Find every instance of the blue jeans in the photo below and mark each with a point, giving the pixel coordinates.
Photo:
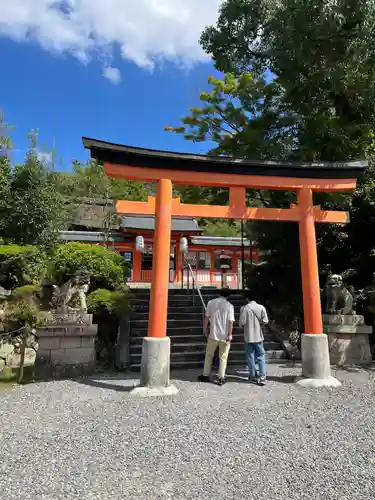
(255, 354)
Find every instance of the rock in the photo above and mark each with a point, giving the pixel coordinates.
(14, 360)
(6, 350)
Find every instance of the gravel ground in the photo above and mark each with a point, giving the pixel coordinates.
(90, 439)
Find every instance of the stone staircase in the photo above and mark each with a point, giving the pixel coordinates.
(185, 329)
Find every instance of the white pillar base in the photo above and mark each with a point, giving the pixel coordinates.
(147, 392)
(155, 369)
(316, 383)
(316, 367)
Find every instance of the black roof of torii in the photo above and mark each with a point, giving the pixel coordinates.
(152, 158)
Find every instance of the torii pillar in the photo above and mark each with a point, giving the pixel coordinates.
(316, 368)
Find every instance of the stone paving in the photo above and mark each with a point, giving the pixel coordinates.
(89, 439)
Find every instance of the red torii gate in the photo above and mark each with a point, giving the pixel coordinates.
(235, 174)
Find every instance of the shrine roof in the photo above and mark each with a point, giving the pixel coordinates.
(107, 152)
(228, 241)
(147, 223)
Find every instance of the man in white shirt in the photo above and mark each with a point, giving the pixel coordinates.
(220, 316)
(253, 317)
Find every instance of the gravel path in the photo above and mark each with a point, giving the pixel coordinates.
(90, 440)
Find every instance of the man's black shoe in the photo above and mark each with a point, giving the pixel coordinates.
(221, 381)
(254, 379)
(203, 378)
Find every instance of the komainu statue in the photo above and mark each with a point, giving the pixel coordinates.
(76, 288)
(339, 300)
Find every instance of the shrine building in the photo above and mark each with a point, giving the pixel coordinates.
(203, 253)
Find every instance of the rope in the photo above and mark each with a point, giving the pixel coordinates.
(8, 335)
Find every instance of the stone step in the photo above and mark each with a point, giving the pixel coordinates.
(177, 302)
(201, 347)
(145, 304)
(191, 365)
(211, 292)
(198, 338)
(171, 307)
(172, 315)
(183, 329)
(199, 355)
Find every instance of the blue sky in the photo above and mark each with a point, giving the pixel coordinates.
(121, 91)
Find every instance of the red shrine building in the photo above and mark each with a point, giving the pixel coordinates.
(204, 252)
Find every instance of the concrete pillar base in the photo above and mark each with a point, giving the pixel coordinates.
(147, 392)
(316, 383)
(155, 368)
(316, 367)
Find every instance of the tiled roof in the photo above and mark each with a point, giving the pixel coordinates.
(147, 222)
(227, 241)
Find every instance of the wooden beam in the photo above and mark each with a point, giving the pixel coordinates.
(228, 180)
(232, 212)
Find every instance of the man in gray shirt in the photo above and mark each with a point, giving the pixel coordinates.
(253, 317)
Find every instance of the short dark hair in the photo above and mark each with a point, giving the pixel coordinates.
(224, 292)
(249, 295)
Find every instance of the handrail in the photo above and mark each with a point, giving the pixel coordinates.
(195, 285)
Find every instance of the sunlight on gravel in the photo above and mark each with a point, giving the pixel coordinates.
(90, 439)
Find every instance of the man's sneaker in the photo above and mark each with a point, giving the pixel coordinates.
(262, 380)
(255, 379)
(203, 378)
(220, 381)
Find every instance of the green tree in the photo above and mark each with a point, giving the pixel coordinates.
(32, 211)
(21, 265)
(322, 56)
(315, 60)
(5, 170)
(89, 180)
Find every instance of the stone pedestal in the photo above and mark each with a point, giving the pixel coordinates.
(155, 368)
(316, 368)
(66, 346)
(348, 339)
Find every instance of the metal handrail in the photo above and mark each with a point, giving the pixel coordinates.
(195, 285)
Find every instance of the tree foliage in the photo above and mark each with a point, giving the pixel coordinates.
(299, 85)
(321, 54)
(89, 180)
(106, 267)
(104, 302)
(20, 265)
(31, 210)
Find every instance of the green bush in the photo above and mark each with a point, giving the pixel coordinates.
(106, 267)
(103, 302)
(23, 307)
(20, 265)
(26, 291)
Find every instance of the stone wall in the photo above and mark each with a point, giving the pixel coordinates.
(67, 347)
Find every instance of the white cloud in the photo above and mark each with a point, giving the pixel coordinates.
(112, 74)
(147, 32)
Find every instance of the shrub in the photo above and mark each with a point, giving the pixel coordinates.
(106, 267)
(26, 291)
(20, 265)
(23, 307)
(103, 302)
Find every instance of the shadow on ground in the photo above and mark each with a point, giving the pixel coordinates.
(126, 381)
(108, 383)
(233, 376)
